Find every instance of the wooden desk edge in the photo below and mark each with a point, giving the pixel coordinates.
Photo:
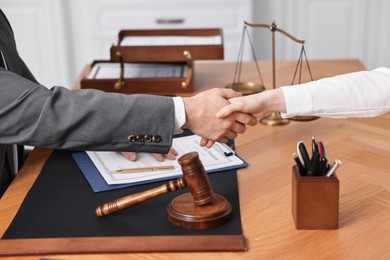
(135, 244)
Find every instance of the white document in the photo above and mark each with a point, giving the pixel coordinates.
(170, 40)
(108, 70)
(212, 159)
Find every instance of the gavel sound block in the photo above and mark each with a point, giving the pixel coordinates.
(199, 209)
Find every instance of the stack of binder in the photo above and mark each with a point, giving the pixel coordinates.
(154, 61)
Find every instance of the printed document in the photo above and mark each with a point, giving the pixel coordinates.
(108, 70)
(212, 159)
(170, 40)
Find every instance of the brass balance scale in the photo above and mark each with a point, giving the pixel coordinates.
(247, 88)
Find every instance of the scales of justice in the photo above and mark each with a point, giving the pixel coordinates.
(247, 88)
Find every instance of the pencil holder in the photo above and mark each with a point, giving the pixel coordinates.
(315, 201)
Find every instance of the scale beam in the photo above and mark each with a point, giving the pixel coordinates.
(273, 28)
(274, 118)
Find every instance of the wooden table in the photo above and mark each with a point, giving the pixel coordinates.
(363, 145)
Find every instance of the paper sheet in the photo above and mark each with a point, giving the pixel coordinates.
(170, 40)
(107, 70)
(212, 159)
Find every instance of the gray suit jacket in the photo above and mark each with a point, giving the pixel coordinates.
(31, 114)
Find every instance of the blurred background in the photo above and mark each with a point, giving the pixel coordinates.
(57, 38)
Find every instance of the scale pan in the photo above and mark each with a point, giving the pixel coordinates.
(246, 88)
(303, 118)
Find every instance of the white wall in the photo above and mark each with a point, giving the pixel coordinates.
(332, 29)
(41, 32)
(57, 38)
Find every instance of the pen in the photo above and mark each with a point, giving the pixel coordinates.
(332, 169)
(321, 150)
(323, 163)
(144, 169)
(323, 159)
(314, 145)
(301, 169)
(299, 153)
(305, 156)
(314, 164)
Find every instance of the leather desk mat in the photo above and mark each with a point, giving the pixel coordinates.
(61, 204)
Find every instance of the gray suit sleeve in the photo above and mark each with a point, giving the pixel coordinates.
(61, 118)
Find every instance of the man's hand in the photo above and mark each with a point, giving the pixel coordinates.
(171, 155)
(201, 117)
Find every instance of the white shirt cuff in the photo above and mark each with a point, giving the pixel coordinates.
(180, 114)
(298, 99)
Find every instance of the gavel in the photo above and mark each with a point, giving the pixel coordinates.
(201, 208)
(194, 177)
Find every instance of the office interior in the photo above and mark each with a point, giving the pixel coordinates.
(58, 38)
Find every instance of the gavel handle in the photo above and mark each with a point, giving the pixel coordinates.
(131, 200)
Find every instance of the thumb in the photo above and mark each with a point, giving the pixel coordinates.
(229, 93)
(228, 110)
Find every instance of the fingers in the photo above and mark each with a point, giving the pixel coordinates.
(159, 157)
(236, 129)
(172, 154)
(246, 119)
(204, 142)
(132, 156)
(209, 144)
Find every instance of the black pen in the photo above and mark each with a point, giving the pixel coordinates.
(299, 153)
(301, 169)
(323, 159)
(314, 164)
(323, 164)
(314, 145)
(305, 157)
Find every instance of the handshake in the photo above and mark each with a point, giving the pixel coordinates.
(220, 114)
(201, 116)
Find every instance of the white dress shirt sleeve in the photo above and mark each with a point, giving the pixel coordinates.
(180, 114)
(358, 94)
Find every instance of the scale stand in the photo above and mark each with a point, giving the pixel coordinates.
(275, 118)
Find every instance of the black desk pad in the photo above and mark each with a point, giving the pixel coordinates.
(61, 204)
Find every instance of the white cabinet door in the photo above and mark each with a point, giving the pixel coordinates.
(95, 24)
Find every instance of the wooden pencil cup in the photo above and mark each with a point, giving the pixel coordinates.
(315, 201)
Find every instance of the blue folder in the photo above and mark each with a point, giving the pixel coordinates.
(98, 184)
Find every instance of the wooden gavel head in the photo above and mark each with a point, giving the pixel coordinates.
(201, 208)
(196, 178)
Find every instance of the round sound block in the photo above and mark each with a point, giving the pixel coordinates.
(184, 213)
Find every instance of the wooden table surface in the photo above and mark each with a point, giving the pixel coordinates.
(363, 146)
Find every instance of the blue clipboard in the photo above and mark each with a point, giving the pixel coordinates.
(98, 184)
